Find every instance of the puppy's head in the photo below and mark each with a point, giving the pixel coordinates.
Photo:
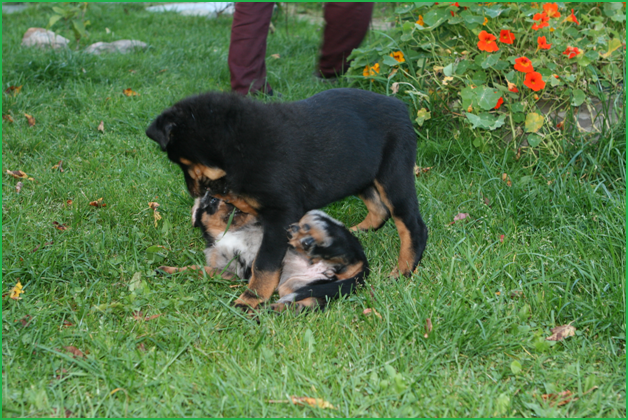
(313, 232)
(212, 215)
(196, 133)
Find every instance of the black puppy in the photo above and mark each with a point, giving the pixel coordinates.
(324, 259)
(280, 160)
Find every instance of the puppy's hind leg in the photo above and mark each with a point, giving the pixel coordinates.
(378, 212)
(227, 275)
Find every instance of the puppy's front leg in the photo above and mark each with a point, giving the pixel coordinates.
(267, 264)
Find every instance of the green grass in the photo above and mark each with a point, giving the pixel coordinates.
(563, 223)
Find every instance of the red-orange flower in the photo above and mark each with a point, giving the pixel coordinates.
(500, 101)
(542, 41)
(512, 87)
(457, 4)
(571, 52)
(551, 9)
(534, 81)
(506, 36)
(572, 18)
(398, 55)
(487, 42)
(543, 21)
(524, 65)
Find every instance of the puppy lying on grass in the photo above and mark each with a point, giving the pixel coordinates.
(324, 260)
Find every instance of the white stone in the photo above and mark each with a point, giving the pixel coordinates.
(212, 9)
(122, 46)
(42, 38)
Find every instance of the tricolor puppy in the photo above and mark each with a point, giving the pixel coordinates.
(324, 259)
(278, 161)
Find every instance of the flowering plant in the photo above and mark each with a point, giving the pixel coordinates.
(492, 64)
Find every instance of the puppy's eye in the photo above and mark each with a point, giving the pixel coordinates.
(213, 200)
(306, 227)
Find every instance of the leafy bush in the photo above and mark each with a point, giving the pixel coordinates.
(502, 67)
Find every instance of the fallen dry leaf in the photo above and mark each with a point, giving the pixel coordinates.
(141, 347)
(447, 79)
(559, 399)
(395, 88)
(75, 352)
(8, 118)
(368, 311)
(25, 321)
(517, 294)
(101, 127)
(561, 332)
(506, 179)
(139, 316)
(16, 291)
(156, 214)
(418, 170)
(275, 56)
(17, 174)
(30, 119)
(13, 90)
(312, 402)
(18, 187)
(130, 92)
(45, 245)
(60, 226)
(67, 323)
(97, 203)
(428, 327)
(59, 166)
(69, 202)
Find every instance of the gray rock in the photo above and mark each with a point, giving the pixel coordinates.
(123, 46)
(42, 38)
(209, 9)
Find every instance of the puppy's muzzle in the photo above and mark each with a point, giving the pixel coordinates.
(307, 243)
(293, 229)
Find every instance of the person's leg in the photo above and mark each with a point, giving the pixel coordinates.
(346, 25)
(247, 49)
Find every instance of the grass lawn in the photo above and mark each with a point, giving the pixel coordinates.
(548, 250)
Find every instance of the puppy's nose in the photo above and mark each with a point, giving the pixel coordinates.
(307, 243)
(292, 230)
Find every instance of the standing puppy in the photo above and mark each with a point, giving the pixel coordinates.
(280, 160)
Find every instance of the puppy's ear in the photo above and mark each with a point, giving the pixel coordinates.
(160, 129)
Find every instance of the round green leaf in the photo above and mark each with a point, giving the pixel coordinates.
(534, 122)
(515, 367)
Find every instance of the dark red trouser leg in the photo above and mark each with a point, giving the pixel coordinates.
(247, 49)
(345, 28)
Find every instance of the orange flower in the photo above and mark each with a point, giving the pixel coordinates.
(534, 81)
(551, 9)
(500, 101)
(543, 43)
(506, 36)
(485, 21)
(524, 65)
(398, 55)
(572, 18)
(420, 21)
(371, 71)
(487, 42)
(571, 52)
(512, 87)
(543, 21)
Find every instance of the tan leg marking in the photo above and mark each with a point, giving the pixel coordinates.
(244, 204)
(406, 252)
(197, 171)
(351, 271)
(260, 289)
(377, 215)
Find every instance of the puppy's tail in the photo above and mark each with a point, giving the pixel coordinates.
(325, 290)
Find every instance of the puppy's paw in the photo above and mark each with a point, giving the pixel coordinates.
(166, 270)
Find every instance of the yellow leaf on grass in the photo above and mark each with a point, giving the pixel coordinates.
(101, 127)
(130, 92)
(312, 402)
(16, 291)
(534, 122)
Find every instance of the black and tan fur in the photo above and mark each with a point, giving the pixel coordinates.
(280, 160)
(324, 260)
